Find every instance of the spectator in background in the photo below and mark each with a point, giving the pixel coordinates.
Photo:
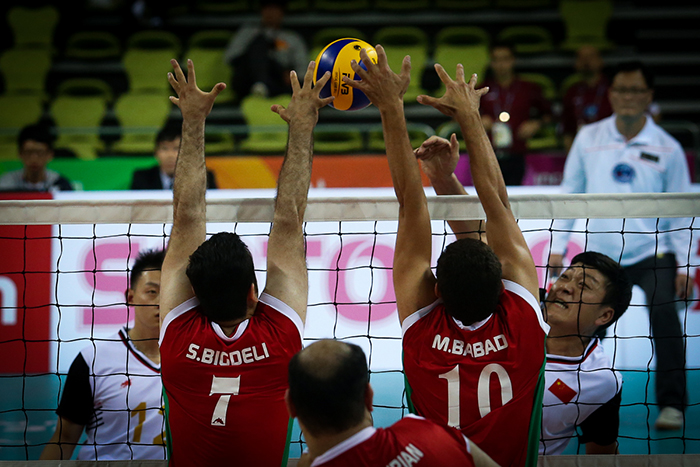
(160, 177)
(629, 153)
(113, 390)
(329, 392)
(262, 55)
(35, 151)
(586, 100)
(512, 112)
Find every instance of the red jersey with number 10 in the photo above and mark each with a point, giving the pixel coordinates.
(484, 378)
(225, 395)
(410, 441)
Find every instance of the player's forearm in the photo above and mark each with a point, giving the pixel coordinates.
(189, 204)
(56, 451)
(484, 167)
(403, 166)
(295, 175)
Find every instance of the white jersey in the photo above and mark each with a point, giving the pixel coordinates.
(575, 388)
(125, 417)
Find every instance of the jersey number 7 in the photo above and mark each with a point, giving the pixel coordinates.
(226, 387)
(483, 393)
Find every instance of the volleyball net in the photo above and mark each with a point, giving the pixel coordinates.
(67, 262)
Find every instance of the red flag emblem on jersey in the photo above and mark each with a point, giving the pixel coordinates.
(563, 392)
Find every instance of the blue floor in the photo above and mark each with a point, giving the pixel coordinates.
(23, 432)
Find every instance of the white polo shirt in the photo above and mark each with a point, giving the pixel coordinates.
(601, 161)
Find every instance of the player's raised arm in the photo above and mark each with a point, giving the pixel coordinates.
(461, 101)
(414, 282)
(189, 205)
(287, 278)
(439, 158)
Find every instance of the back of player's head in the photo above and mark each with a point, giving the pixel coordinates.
(327, 386)
(221, 272)
(148, 260)
(469, 280)
(169, 133)
(39, 133)
(632, 66)
(618, 290)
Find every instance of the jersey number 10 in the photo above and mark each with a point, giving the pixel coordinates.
(483, 393)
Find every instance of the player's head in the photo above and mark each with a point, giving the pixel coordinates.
(329, 387)
(221, 272)
(631, 90)
(35, 145)
(502, 59)
(144, 288)
(272, 12)
(589, 296)
(469, 280)
(167, 148)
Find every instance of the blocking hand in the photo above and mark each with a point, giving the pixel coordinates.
(192, 101)
(381, 85)
(459, 95)
(305, 99)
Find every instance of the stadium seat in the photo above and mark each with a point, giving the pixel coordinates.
(402, 5)
(92, 45)
(18, 111)
(25, 70)
(78, 121)
(337, 142)
(141, 116)
(346, 5)
(325, 36)
(267, 132)
(527, 39)
(462, 4)
(33, 27)
(206, 49)
(147, 70)
(568, 82)
(465, 45)
(223, 6)
(586, 23)
(399, 42)
(446, 129)
(416, 132)
(549, 90)
(155, 40)
(85, 87)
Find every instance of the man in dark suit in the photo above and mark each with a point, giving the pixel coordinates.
(160, 177)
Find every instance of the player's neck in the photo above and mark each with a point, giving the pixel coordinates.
(145, 343)
(567, 346)
(319, 444)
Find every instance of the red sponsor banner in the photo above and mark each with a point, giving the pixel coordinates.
(25, 294)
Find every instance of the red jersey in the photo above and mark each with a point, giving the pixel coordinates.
(583, 104)
(410, 441)
(225, 395)
(484, 378)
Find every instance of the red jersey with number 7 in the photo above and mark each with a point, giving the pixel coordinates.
(225, 394)
(484, 378)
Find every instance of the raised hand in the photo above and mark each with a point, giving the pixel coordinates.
(381, 85)
(305, 99)
(439, 157)
(192, 101)
(459, 95)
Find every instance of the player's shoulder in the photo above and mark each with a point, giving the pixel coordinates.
(661, 137)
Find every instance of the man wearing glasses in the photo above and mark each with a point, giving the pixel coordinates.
(629, 153)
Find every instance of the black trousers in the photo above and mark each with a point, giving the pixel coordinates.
(257, 65)
(512, 166)
(656, 276)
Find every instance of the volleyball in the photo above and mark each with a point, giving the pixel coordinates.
(336, 58)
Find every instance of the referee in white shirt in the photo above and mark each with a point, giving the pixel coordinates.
(629, 153)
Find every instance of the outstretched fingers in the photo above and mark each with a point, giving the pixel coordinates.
(444, 77)
(179, 75)
(190, 73)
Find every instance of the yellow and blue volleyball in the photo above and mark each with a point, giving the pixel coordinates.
(336, 58)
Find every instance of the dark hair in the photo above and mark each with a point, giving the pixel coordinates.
(221, 271)
(169, 133)
(149, 260)
(38, 132)
(329, 396)
(503, 45)
(636, 65)
(469, 280)
(618, 290)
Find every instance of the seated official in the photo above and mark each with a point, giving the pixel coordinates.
(160, 177)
